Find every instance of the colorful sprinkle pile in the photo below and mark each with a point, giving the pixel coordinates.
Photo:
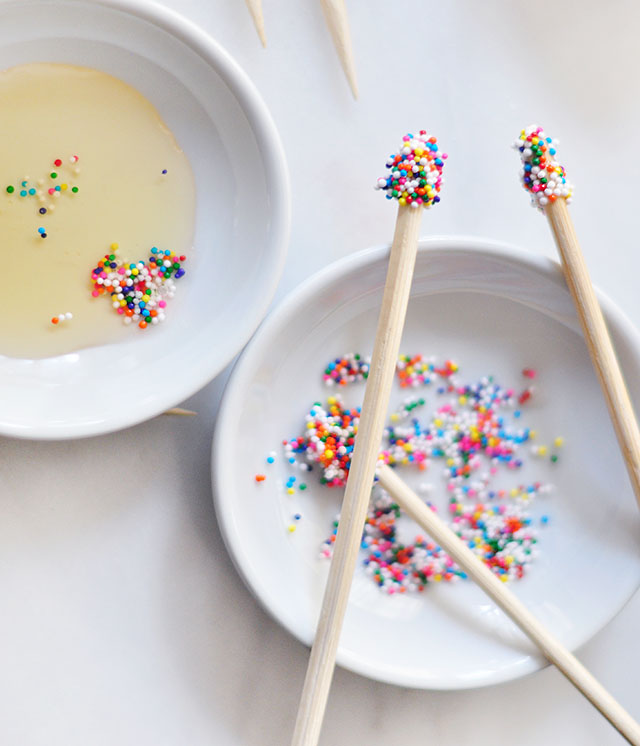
(542, 176)
(472, 437)
(415, 175)
(328, 440)
(347, 369)
(414, 371)
(138, 291)
(498, 534)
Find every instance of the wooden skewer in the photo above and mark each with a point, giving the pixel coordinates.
(181, 412)
(255, 8)
(335, 12)
(552, 648)
(597, 338)
(358, 490)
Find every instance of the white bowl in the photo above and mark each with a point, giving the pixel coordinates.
(493, 309)
(242, 219)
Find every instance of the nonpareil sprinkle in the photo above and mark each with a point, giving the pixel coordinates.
(471, 437)
(139, 291)
(415, 172)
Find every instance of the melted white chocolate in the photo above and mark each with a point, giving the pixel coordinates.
(49, 112)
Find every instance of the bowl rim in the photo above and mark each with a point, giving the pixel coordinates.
(277, 183)
(491, 249)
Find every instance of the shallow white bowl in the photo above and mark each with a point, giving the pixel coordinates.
(242, 220)
(495, 310)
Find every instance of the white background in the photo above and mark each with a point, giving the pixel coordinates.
(122, 620)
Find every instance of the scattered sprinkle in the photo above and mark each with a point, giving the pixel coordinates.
(62, 317)
(471, 437)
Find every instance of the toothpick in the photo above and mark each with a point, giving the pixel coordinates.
(335, 12)
(549, 645)
(414, 190)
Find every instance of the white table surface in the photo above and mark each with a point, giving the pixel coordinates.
(122, 619)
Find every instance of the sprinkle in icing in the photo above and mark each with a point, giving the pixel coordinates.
(542, 176)
(138, 291)
(415, 172)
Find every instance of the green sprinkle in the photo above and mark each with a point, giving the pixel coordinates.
(53, 175)
(10, 189)
(74, 190)
(302, 486)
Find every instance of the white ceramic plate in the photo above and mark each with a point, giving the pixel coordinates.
(493, 310)
(242, 217)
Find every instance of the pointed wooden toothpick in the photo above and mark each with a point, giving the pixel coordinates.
(255, 8)
(335, 12)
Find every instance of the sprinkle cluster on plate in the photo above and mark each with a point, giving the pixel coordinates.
(472, 437)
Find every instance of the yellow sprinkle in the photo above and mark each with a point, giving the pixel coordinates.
(310, 425)
(437, 423)
(462, 400)
(450, 462)
(514, 492)
(558, 442)
(532, 434)
(291, 491)
(328, 453)
(394, 417)
(542, 450)
(331, 400)
(504, 578)
(402, 201)
(408, 447)
(291, 528)
(114, 247)
(437, 578)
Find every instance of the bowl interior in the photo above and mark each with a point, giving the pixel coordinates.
(241, 220)
(494, 311)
